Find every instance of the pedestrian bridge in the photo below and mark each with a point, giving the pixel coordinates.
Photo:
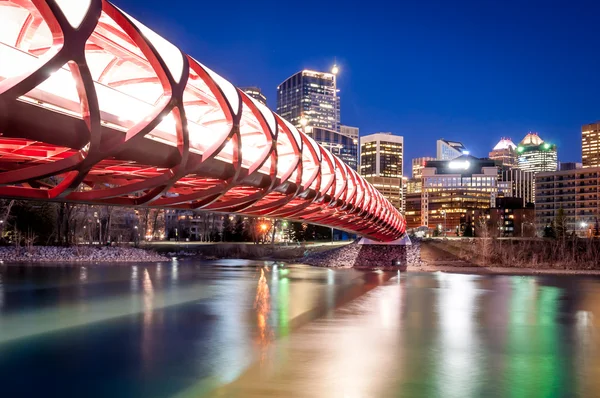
(97, 108)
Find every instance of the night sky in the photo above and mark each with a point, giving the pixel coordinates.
(472, 71)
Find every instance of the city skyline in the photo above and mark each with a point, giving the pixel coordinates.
(458, 76)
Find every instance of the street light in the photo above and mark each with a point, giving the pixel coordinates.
(583, 226)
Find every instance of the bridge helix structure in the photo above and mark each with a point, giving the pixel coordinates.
(97, 108)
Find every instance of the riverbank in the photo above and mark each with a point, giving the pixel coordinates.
(467, 256)
(78, 254)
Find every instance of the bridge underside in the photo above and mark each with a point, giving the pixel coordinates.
(97, 108)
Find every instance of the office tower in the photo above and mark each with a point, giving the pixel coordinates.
(535, 155)
(349, 131)
(453, 190)
(381, 156)
(505, 151)
(256, 93)
(448, 150)
(516, 183)
(418, 164)
(590, 144)
(309, 99)
(345, 147)
(575, 191)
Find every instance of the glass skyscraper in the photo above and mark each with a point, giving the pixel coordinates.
(345, 147)
(310, 98)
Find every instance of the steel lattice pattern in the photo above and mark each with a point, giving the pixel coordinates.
(97, 108)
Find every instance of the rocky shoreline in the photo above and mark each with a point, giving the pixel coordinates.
(55, 254)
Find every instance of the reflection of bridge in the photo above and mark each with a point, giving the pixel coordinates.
(97, 108)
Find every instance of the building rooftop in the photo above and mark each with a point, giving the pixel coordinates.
(531, 139)
(504, 143)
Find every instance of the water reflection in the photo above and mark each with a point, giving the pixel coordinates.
(263, 308)
(237, 328)
(459, 370)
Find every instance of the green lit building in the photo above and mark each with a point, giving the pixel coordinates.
(535, 155)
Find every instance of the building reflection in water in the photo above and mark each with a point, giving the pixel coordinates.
(459, 368)
(263, 308)
(174, 272)
(134, 278)
(83, 275)
(148, 313)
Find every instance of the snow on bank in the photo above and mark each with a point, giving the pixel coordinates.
(10, 254)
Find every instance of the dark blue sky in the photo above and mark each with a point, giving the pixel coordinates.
(464, 70)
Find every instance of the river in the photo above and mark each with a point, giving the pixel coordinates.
(239, 328)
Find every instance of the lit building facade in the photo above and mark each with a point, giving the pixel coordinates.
(345, 147)
(418, 164)
(453, 190)
(508, 218)
(448, 150)
(576, 191)
(381, 155)
(390, 188)
(310, 98)
(516, 183)
(590, 145)
(535, 155)
(505, 152)
(256, 93)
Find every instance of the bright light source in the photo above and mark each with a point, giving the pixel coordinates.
(335, 69)
(520, 149)
(466, 152)
(583, 224)
(546, 146)
(263, 227)
(459, 164)
(303, 122)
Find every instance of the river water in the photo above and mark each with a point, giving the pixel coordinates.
(252, 329)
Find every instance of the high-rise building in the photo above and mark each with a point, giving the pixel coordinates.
(577, 192)
(505, 151)
(418, 164)
(516, 183)
(448, 150)
(535, 155)
(256, 93)
(453, 190)
(309, 98)
(381, 155)
(349, 131)
(345, 147)
(590, 144)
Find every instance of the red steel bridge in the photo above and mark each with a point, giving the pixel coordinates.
(97, 108)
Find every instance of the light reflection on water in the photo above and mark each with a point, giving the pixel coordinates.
(238, 328)
(263, 308)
